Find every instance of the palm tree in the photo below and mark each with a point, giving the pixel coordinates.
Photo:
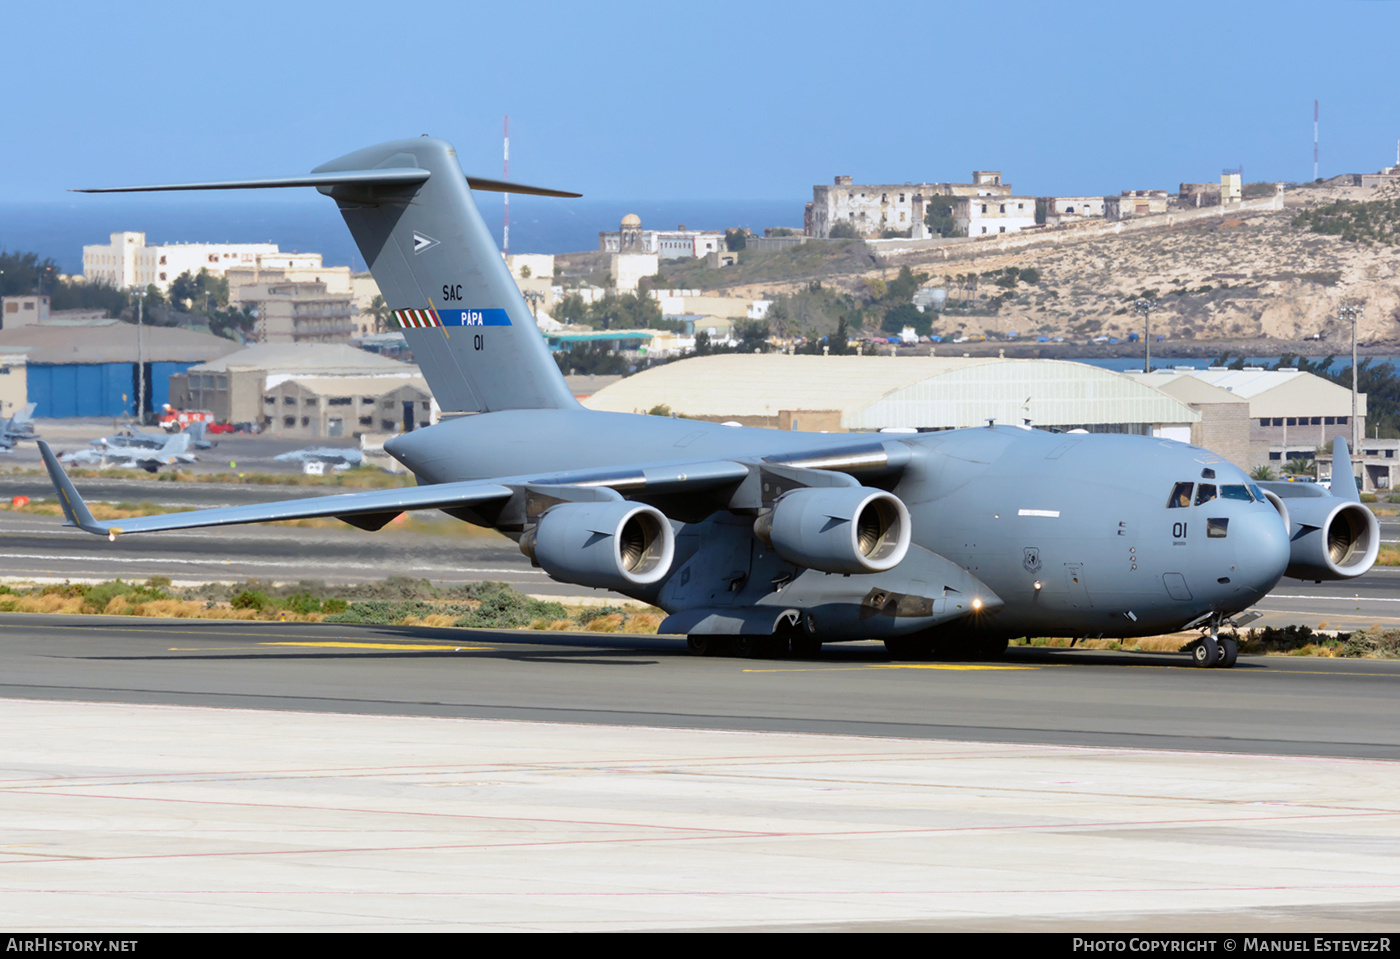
(1263, 473)
(1300, 467)
(380, 311)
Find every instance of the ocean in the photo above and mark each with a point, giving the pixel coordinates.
(308, 223)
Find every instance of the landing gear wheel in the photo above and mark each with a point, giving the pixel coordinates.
(707, 645)
(1229, 652)
(909, 647)
(1206, 653)
(990, 648)
(760, 647)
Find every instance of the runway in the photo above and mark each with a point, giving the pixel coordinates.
(1265, 705)
(178, 775)
(272, 776)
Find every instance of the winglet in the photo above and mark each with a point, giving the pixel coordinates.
(74, 509)
(1343, 478)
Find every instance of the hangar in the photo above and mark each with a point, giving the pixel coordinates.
(836, 393)
(89, 368)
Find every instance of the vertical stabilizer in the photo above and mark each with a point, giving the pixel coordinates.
(438, 269)
(1343, 478)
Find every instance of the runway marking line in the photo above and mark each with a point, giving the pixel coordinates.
(409, 646)
(843, 669)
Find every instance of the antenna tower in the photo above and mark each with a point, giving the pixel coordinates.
(505, 233)
(1314, 139)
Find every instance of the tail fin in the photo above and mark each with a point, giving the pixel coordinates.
(1343, 479)
(178, 443)
(439, 270)
(410, 209)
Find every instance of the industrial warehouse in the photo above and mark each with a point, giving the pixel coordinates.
(1239, 414)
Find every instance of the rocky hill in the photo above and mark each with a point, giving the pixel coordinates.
(1266, 276)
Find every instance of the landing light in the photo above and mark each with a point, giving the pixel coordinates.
(1037, 586)
(977, 604)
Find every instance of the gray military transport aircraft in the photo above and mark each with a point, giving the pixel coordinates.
(756, 541)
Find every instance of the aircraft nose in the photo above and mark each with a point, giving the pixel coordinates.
(1262, 550)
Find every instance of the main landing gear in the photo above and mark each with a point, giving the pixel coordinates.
(1212, 651)
(755, 647)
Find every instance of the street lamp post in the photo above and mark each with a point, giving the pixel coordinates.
(1144, 306)
(140, 362)
(1354, 315)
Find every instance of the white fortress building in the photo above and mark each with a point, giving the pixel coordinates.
(128, 262)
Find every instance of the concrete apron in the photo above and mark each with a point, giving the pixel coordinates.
(130, 817)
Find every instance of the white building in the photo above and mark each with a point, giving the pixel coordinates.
(629, 268)
(1071, 209)
(987, 215)
(128, 262)
(28, 310)
(677, 244)
(871, 209)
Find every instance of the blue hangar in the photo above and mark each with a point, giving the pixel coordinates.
(89, 369)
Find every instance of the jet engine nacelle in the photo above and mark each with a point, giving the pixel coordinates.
(851, 529)
(1332, 538)
(615, 545)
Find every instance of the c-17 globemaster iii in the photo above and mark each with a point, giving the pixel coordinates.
(757, 541)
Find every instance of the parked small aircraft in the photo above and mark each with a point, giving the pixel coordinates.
(134, 438)
(174, 452)
(333, 457)
(18, 427)
(759, 541)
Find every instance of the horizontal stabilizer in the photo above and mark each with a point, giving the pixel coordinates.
(410, 176)
(503, 186)
(392, 177)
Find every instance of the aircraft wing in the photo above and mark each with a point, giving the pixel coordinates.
(373, 508)
(367, 505)
(515, 500)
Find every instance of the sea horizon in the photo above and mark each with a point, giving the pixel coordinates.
(60, 228)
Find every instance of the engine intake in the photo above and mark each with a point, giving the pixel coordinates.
(611, 545)
(842, 530)
(1332, 539)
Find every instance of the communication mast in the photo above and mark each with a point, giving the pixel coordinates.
(505, 233)
(1314, 139)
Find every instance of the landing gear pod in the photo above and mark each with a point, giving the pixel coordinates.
(842, 530)
(1332, 539)
(610, 545)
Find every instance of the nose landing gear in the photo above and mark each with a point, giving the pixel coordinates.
(1212, 651)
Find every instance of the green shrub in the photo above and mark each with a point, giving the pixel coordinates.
(1374, 642)
(302, 603)
(382, 612)
(503, 608)
(251, 599)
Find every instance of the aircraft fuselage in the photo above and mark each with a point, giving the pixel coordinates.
(1071, 534)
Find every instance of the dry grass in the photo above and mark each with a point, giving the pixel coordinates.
(1168, 643)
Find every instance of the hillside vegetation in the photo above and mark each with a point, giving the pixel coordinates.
(1254, 276)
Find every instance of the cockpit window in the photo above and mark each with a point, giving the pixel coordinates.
(1181, 496)
(1205, 493)
(1258, 493)
(1235, 492)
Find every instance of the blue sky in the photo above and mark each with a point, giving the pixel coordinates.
(748, 100)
